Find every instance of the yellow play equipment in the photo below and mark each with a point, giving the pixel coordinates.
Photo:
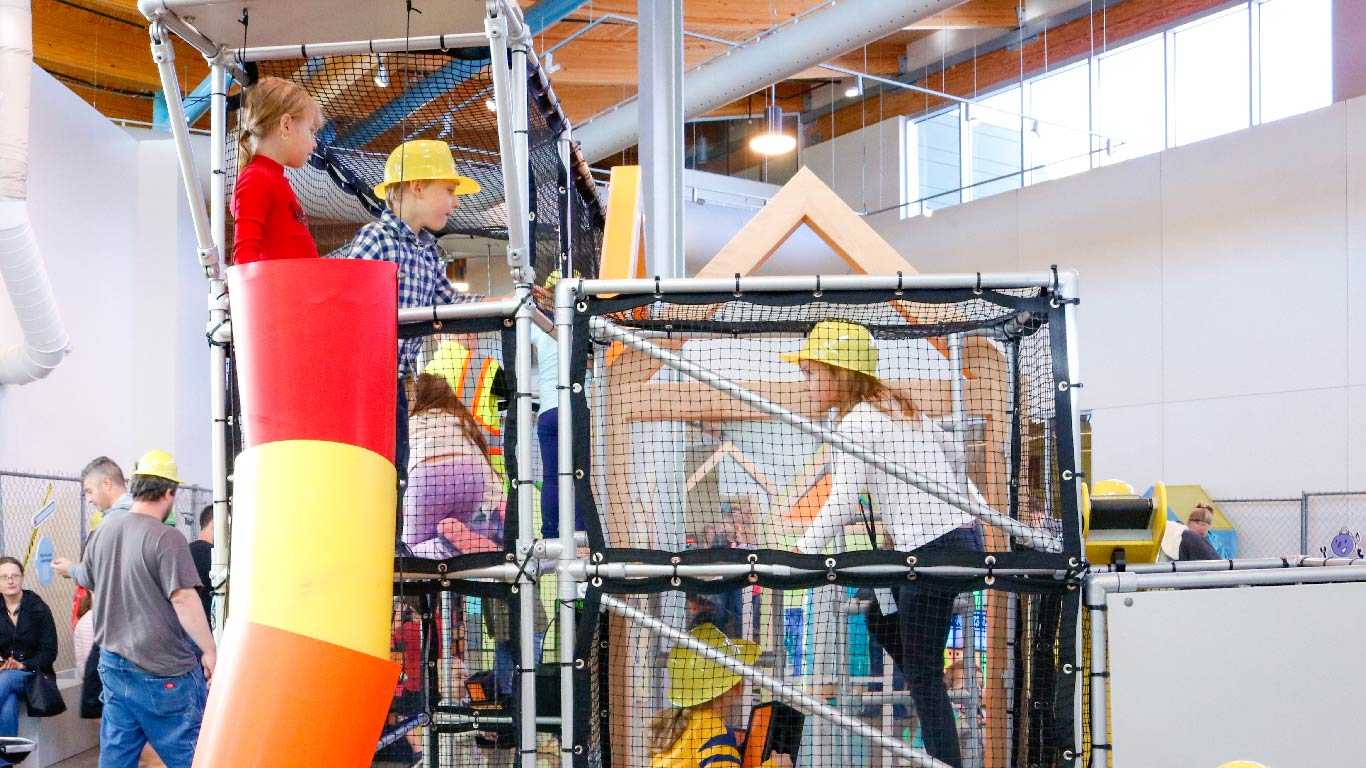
(1120, 526)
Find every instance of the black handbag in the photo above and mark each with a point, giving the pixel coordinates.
(43, 697)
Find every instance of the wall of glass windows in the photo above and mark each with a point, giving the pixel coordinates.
(1252, 63)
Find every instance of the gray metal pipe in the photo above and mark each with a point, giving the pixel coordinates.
(789, 693)
(797, 47)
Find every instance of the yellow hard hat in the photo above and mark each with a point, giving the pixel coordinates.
(1112, 488)
(423, 160)
(838, 343)
(449, 362)
(157, 464)
(695, 680)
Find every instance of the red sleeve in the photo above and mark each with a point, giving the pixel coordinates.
(250, 205)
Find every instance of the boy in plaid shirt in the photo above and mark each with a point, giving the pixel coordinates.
(420, 188)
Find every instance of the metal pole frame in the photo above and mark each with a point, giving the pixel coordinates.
(566, 579)
(1036, 538)
(1100, 585)
(791, 694)
(163, 53)
(218, 349)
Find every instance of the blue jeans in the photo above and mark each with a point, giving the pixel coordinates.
(140, 707)
(505, 663)
(11, 688)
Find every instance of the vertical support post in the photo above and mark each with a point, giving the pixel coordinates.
(661, 133)
(218, 354)
(164, 56)
(526, 523)
(568, 587)
(973, 757)
(505, 88)
(1100, 729)
(566, 263)
(1304, 523)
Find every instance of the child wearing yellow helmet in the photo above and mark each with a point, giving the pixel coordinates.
(694, 732)
(840, 361)
(420, 188)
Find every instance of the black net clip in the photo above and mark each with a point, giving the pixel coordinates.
(411, 9)
(818, 292)
(737, 292)
(658, 293)
(210, 333)
(977, 289)
(830, 574)
(674, 580)
(899, 289)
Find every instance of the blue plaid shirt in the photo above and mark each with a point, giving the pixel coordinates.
(421, 280)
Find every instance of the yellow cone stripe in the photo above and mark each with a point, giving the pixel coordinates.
(312, 545)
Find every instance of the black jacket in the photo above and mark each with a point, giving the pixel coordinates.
(34, 641)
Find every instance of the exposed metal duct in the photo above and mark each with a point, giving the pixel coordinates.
(790, 50)
(21, 266)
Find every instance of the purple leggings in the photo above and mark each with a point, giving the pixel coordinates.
(447, 489)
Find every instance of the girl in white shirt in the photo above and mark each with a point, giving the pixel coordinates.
(839, 361)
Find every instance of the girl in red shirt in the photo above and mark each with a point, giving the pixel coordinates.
(279, 126)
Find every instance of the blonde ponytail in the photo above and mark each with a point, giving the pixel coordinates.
(264, 104)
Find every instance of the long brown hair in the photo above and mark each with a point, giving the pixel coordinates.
(433, 393)
(264, 104)
(852, 388)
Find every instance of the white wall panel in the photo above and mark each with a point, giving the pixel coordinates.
(81, 202)
(1268, 445)
(979, 237)
(1356, 241)
(1126, 444)
(1107, 225)
(1253, 231)
(1206, 676)
(1356, 438)
(865, 168)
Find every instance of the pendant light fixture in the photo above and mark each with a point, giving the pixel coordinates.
(773, 141)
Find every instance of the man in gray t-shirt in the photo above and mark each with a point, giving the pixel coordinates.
(148, 622)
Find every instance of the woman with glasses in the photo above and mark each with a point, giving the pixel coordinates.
(28, 641)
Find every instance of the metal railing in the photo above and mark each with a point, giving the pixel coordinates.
(1315, 523)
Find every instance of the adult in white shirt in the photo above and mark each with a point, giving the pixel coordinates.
(839, 361)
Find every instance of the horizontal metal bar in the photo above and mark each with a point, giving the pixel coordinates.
(816, 282)
(1037, 538)
(582, 570)
(39, 476)
(466, 311)
(386, 45)
(1246, 564)
(789, 693)
(507, 572)
(450, 718)
(1103, 583)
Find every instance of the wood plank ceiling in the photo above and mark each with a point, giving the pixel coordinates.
(99, 48)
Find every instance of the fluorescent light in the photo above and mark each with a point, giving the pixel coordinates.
(855, 88)
(381, 75)
(773, 141)
(926, 211)
(773, 144)
(461, 287)
(492, 105)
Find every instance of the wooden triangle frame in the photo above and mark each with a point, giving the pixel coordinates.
(807, 200)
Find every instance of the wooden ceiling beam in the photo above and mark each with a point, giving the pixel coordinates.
(102, 51)
(123, 9)
(745, 15)
(116, 106)
(975, 13)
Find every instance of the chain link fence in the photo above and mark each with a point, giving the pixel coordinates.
(1318, 524)
(44, 516)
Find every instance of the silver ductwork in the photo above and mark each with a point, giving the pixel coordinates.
(790, 50)
(44, 341)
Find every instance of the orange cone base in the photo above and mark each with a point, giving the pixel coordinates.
(283, 699)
